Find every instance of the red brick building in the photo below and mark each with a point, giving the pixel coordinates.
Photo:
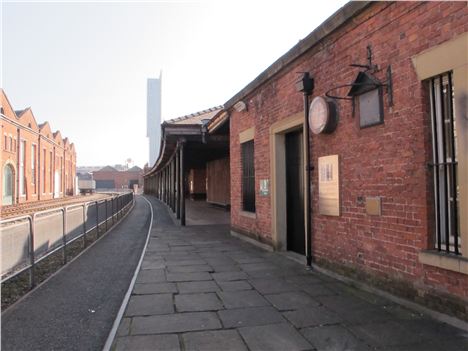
(111, 178)
(37, 164)
(388, 185)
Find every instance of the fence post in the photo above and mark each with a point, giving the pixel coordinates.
(84, 225)
(97, 219)
(32, 278)
(106, 213)
(64, 233)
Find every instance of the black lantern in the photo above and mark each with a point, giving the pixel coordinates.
(305, 84)
(367, 91)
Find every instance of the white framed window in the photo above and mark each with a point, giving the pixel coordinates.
(22, 160)
(445, 164)
(33, 168)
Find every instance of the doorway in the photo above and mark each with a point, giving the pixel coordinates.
(295, 231)
(8, 185)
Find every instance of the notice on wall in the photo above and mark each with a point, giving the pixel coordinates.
(329, 185)
(264, 187)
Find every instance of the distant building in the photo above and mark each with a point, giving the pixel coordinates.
(109, 178)
(153, 114)
(36, 164)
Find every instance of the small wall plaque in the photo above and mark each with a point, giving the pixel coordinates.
(373, 206)
(329, 185)
(264, 187)
(370, 108)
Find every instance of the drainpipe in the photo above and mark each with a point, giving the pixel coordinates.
(306, 86)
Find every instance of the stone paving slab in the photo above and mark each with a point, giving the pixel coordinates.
(154, 288)
(188, 277)
(124, 327)
(145, 305)
(334, 337)
(225, 340)
(246, 317)
(175, 323)
(229, 276)
(226, 268)
(272, 286)
(274, 337)
(168, 342)
(312, 316)
(190, 269)
(239, 299)
(151, 276)
(197, 302)
(197, 286)
(184, 262)
(291, 300)
(225, 294)
(236, 285)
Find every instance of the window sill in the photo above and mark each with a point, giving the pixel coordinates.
(252, 215)
(442, 260)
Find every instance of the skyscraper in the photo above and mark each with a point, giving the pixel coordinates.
(153, 117)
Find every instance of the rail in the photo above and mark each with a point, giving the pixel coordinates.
(29, 239)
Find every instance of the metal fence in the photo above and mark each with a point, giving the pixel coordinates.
(27, 240)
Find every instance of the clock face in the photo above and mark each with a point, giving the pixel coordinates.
(318, 115)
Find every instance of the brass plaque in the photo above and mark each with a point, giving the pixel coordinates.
(329, 185)
(373, 206)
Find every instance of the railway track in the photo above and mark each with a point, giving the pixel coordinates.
(31, 207)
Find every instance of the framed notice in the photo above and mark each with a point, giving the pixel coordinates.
(264, 187)
(329, 185)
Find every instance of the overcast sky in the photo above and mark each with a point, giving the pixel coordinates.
(83, 66)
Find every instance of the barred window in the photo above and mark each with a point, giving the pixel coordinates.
(444, 151)
(248, 176)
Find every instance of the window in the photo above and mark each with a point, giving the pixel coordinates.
(444, 151)
(61, 172)
(44, 171)
(33, 167)
(248, 176)
(22, 157)
(5, 142)
(10, 144)
(51, 172)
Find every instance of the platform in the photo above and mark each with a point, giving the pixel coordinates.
(201, 289)
(199, 212)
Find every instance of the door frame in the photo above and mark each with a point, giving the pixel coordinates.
(278, 177)
(57, 182)
(13, 182)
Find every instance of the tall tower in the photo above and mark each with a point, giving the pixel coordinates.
(153, 117)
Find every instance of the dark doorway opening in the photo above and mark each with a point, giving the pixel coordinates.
(295, 192)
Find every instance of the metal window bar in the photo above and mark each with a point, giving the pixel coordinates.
(126, 200)
(444, 164)
(248, 177)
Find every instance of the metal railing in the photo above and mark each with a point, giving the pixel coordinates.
(27, 240)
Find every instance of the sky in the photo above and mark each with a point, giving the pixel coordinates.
(83, 66)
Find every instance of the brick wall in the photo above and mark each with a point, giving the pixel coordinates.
(22, 127)
(121, 178)
(387, 160)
